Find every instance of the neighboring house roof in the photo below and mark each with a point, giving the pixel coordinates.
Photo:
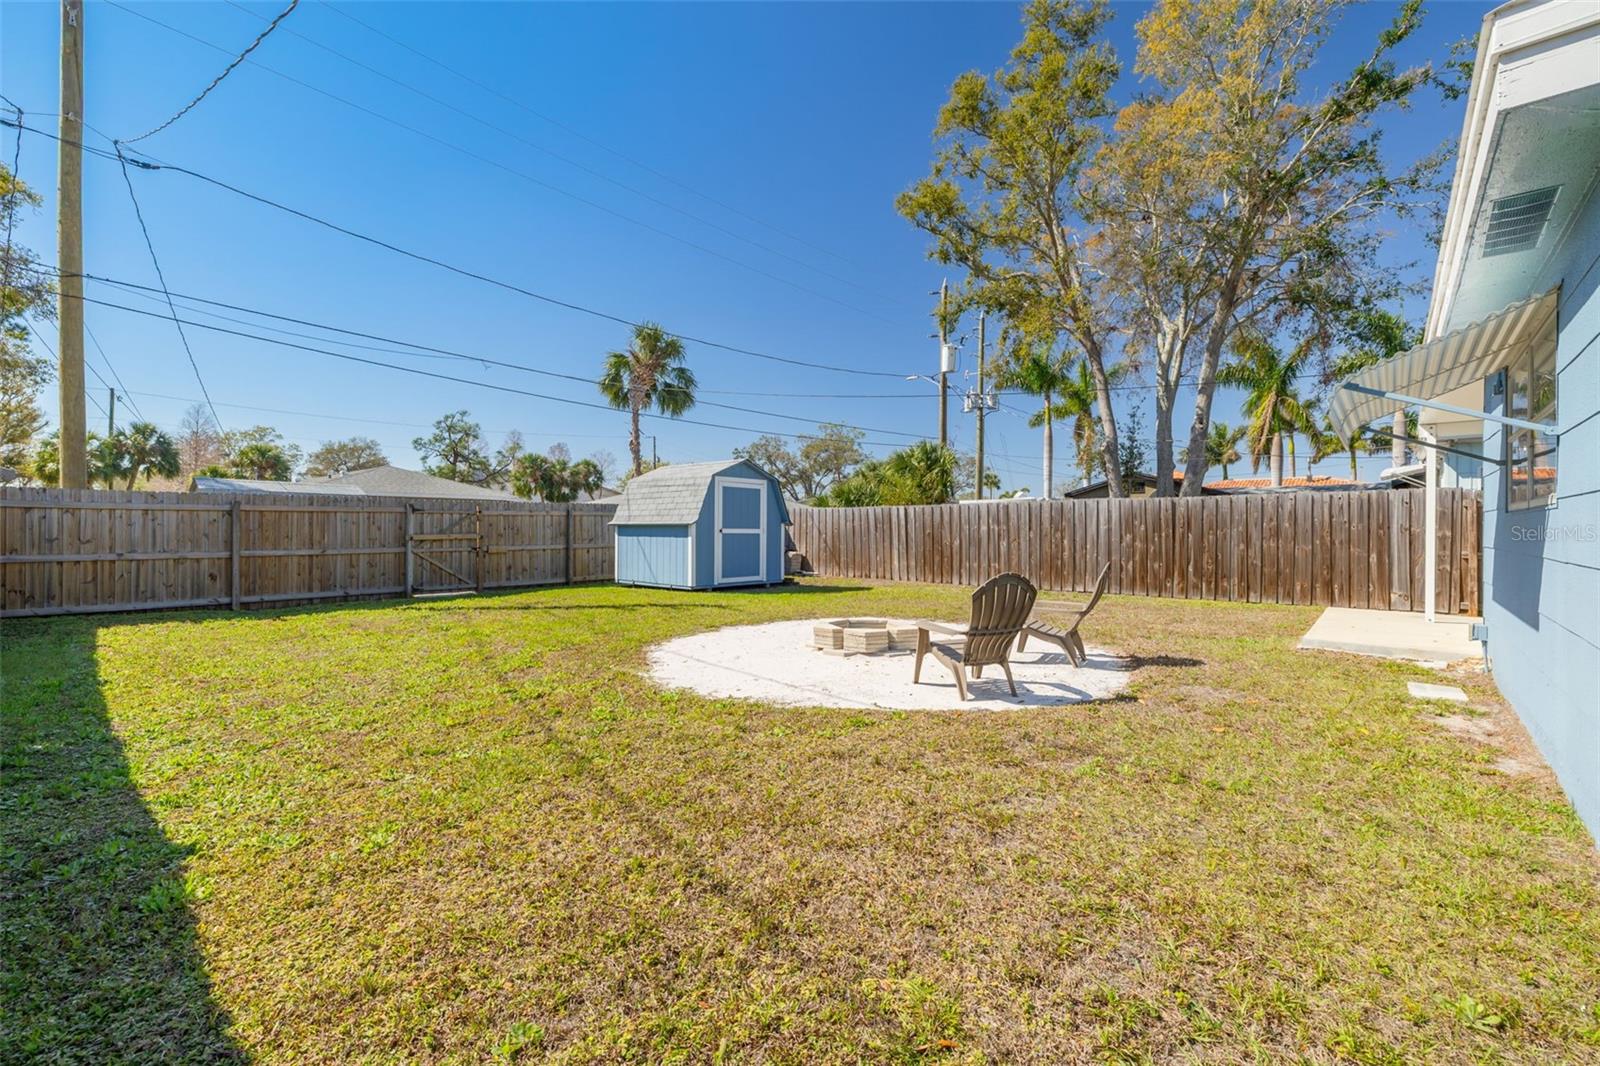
(373, 481)
(673, 495)
(1254, 484)
(244, 484)
(1140, 479)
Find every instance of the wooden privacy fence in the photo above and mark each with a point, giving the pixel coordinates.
(1346, 549)
(66, 551)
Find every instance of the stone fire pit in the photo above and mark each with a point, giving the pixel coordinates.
(863, 636)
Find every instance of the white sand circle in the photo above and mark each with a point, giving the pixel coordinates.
(776, 663)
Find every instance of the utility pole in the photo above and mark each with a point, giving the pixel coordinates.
(944, 377)
(982, 405)
(69, 250)
(111, 414)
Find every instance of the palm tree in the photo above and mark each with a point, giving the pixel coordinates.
(261, 462)
(1275, 408)
(923, 473)
(1325, 441)
(1079, 401)
(1222, 446)
(1379, 335)
(1035, 370)
(651, 373)
(149, 452)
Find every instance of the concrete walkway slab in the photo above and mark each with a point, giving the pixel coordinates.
(1422, 690)
(1394, 635)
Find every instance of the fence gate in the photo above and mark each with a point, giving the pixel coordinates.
(444, 550)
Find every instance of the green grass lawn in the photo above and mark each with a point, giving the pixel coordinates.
(466, 830)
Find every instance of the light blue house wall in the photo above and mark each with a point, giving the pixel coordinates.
(669, 517)
(1541, 566)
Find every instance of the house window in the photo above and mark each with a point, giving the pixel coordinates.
(1531, 394)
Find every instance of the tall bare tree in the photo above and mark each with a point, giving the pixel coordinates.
(199, 441)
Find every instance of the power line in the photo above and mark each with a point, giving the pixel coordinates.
(470, 154)
(12, 194)
(190, 106)
(107, 361)
(89, 395)
(466, 381)
(465, 356)
(139, 214)
(646, 167)
(568, 160)
(147, 164)
(619, 436)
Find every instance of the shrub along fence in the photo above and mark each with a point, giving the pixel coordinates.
(1345, 549)
(74, 551)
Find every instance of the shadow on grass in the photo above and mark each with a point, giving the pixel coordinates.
(98, 958)
(1140, 662)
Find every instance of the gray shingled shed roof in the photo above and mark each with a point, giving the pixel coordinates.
(673, 495)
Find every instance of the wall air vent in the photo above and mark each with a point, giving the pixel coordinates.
(1517, 222)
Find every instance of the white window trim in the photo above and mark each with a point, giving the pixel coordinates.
(1526, 359)
(716, 495)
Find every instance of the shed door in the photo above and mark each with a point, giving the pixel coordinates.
(741, 518)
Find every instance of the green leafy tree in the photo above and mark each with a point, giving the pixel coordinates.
(967, 477)
(25, 291)
(1005, 198)
(555, 478)
(106, 458)
(1222, 446)
(819, 462)
(1066, 391)
(147, 452)
(234, 442)
(1271, 398)
(1135, 453)
(1261, 199)
(260, 461)
(1375, 335)
(1037, 371)
(651, 373)
(1077, 404)
(455, 450)
(343, 456)
(924, 473)
(1325, 441)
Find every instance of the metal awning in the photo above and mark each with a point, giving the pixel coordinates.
(1439, 366)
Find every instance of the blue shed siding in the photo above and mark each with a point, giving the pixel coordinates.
(705, 545)
(659, 554)
(1541, 566)
(653, 555)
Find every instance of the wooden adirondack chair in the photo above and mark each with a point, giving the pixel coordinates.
(1064, 636)
(1000, 607)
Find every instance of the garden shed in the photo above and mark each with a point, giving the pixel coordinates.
(701, 526)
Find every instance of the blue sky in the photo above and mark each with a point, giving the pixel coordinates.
(728, 170)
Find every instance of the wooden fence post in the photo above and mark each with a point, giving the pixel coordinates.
(480, 556)
(411, 511)
(568, 553)
(234, 536)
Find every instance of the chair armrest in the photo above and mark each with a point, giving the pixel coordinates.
(1059, 607)
(940, 627)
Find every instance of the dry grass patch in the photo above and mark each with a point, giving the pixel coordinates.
(468, 829)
